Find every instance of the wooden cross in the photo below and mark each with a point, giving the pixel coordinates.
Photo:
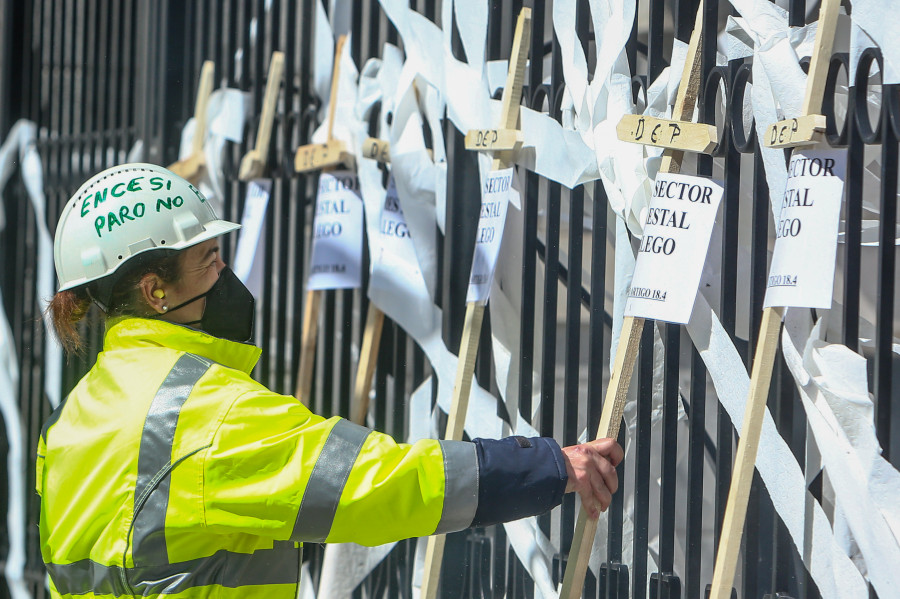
(798, 133)
(666, 133)
(311, 157)
(193, 167)
(376, 149)
(332, 153)
(503, 155)
(630, 335)
(254, 162)
(807, 129)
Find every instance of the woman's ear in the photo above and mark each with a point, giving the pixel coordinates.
(153, 293)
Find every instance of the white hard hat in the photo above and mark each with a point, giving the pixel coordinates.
(125, 211)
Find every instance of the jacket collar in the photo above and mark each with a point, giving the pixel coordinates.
(135, 333)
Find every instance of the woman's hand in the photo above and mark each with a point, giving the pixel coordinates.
(592, 473)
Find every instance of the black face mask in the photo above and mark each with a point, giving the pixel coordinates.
(229, 312)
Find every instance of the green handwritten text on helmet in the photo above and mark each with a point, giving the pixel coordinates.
(125, 211)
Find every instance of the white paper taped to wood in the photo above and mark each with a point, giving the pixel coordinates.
(248, 252)
(677, 228)
(802, 270)
(495, 192)
(337, 233)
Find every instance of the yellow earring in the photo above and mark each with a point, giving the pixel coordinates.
(159, 293)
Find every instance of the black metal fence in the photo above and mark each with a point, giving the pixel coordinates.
(99, 76)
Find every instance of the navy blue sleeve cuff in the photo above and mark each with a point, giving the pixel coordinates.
(518, 477)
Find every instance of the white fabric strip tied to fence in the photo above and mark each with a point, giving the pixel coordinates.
(19, 147)
(878, 19)
(14, 570)
(832, 383)
(806, 521)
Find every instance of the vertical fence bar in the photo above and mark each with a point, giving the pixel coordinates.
(570, 399)
(669, 442)
(697, 437)
(549, 317)
(597, 356)
(887, 259)
(642, 448)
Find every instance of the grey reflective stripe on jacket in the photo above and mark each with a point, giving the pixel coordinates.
(460, 486)
(232, 570)
(329, 477)
(151, 496)
(327, 481)
(152, 573)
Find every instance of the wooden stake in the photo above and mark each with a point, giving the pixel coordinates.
(308, 344)
(254, 162)
(380, 150)
(745, 459)
(368, 356)
(193, 167)
(629, 337)
(767, 342)
(509, 118)
(314, 296)
(462, 385)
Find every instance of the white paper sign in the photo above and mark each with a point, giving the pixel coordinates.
(248, 258)
(337, 233)
(802, 270)
(677, 229)
(397, 252)
(494, 201)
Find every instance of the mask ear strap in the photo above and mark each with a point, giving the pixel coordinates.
(183, 304)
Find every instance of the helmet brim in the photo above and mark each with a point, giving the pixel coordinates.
(212, 229)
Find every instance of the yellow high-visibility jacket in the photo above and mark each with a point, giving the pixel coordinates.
(168, 470)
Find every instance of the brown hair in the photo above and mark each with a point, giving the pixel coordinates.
(68, 307)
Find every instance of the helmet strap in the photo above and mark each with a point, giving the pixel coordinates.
(103, 307)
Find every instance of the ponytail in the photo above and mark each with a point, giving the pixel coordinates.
(66, 309)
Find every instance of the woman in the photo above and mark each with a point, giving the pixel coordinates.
(168, 470)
